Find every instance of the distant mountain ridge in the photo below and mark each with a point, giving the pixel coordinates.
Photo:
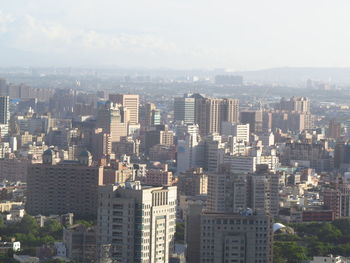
(297, 75)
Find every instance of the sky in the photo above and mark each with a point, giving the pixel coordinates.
(176, 34)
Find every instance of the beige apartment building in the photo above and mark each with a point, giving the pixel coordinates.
(137, 222)
(63, 187)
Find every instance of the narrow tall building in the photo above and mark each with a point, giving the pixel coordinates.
(187, 149)
(137, 222)
(254, 119)
(130, 102)
(4, 115)
(4, 109)
(230, 110)
(152, 115)
(113, 119)
(210, 113)
(184, 109)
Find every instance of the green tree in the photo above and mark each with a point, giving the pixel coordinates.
(329, 233)
(291, 251)
(28, 225)
(86, 223)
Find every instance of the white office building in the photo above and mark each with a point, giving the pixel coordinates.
(137, 223)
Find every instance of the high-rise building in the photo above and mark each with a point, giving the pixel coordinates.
(232, 193)
(254, 119)
(184, 109)
(130, 102)
(312, 155)
(227, 193)
(4, 115)
(213, 152)
(240, 131)
(227, 230)
(101, 144)
(193, 182)
(230, 110)
(211, 112)
(187, 149)
(240, 163)
(113, 119)
(227, 237)
(159, 134)
(3, 87)
(287, 121)
(63, 187)
(137, 222)
(347, 126)
(4, 110)
(160, 176)
(209, 115)
(334, 129)
(297, 104)
(152, 115)
(337, 198)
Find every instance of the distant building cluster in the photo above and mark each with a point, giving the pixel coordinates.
(224, 168)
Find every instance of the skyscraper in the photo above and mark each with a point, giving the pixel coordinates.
(130, 102)
(334, 129)
(209, 115)
(113, 119)
(184, 109)
(187, 149)
(149, 109)
(254, 119)
(230, 110)
(4, 115)
(137, 222)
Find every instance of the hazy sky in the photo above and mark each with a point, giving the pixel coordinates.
(235, 34)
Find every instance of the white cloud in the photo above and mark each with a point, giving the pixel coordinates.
(54, 39)
(5, 20)
(39, 35)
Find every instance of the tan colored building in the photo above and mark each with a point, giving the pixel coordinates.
(7, 206)
(209, 115)
(113, 119)
(230, 110)
(129, 101)
(159, 134)
(193, 182)
(118, 172)
(158, 177)
(64, 187)
(101, 144)
(137, 222)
